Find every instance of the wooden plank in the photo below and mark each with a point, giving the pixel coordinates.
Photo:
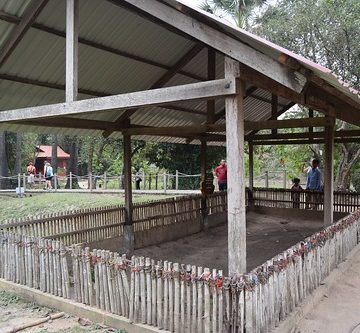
(72, 32)
(329, 177)
(210, 106)
(128, 227)
(274, 110)
(222, 42)
(236, 186)
(193, 91)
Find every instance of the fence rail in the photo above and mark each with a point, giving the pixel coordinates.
(177, 297)
(95, 224)
(344, 202)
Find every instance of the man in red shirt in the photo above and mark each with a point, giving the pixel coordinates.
(221, 175)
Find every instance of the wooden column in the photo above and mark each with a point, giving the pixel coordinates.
(211, 75)
(311, 115)
(72, 32)
(128, 227)
(203, 159)
(235, 162)
(274, 110)
(329, 176)
(204, 213)
(251, 166)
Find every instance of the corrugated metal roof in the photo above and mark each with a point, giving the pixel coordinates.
(40, 56)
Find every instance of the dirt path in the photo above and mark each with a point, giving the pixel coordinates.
(15, 312)
(267, 236)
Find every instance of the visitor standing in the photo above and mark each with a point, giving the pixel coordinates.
(295, 192)
(221, 175)
(48, 174)
(31, 172)
(138, 180)
(313, 183)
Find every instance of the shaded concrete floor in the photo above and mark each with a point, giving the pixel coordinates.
(267, 236)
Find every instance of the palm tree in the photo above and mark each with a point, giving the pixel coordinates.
(240, 10)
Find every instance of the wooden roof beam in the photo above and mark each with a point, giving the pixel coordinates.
(219, 41)
(195, 91)
(31, 13)
(51, 85)
(184, 60)
(15, 19)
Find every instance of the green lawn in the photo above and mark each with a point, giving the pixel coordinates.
(12, 207)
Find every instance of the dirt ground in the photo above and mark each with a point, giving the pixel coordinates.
(15, 312)
(267, 236)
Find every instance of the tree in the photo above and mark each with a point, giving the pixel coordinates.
(327, 32)
(239, 10)
(4, 171)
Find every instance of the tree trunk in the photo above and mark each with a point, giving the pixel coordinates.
(4, 171)
(18, 160)
(73, 147)
(90, 163)
(350, 153)
(54, 157)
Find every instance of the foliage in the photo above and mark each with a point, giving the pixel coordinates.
(327, 32)
(239, 10)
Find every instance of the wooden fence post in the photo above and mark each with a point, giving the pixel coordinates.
(177, 180)
(24, 181)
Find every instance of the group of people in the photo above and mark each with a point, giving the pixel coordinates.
(313, 183)
(48, 173)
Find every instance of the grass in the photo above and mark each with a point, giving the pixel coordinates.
(12, 207)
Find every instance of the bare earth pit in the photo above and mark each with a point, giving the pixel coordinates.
(267, 236)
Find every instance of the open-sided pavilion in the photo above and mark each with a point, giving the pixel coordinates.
(162, 70)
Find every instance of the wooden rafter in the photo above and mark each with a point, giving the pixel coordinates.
(184, 60)
(248, 93)
(15, 19)
(219, 41)
(195, 91)
(31, 13)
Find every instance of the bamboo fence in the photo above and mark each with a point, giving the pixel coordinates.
(95, 224)
(344, 202)
(177, 297)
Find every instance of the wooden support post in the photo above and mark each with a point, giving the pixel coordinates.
(235, 161)
(266, 179)
(203, 150)
(251, 175)
(71, 180)
(24, 181)
(329, 176)
(251, 166)
(19, 184)
(284, 180)
(72, 30)
(55, 182)
(311, 115)
(105, 181)
(274, 110)
(211, 76)
(177, 180)
(128, 227)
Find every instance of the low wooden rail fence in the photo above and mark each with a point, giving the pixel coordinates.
(344, 202)
(95, 224)
(177, 297)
